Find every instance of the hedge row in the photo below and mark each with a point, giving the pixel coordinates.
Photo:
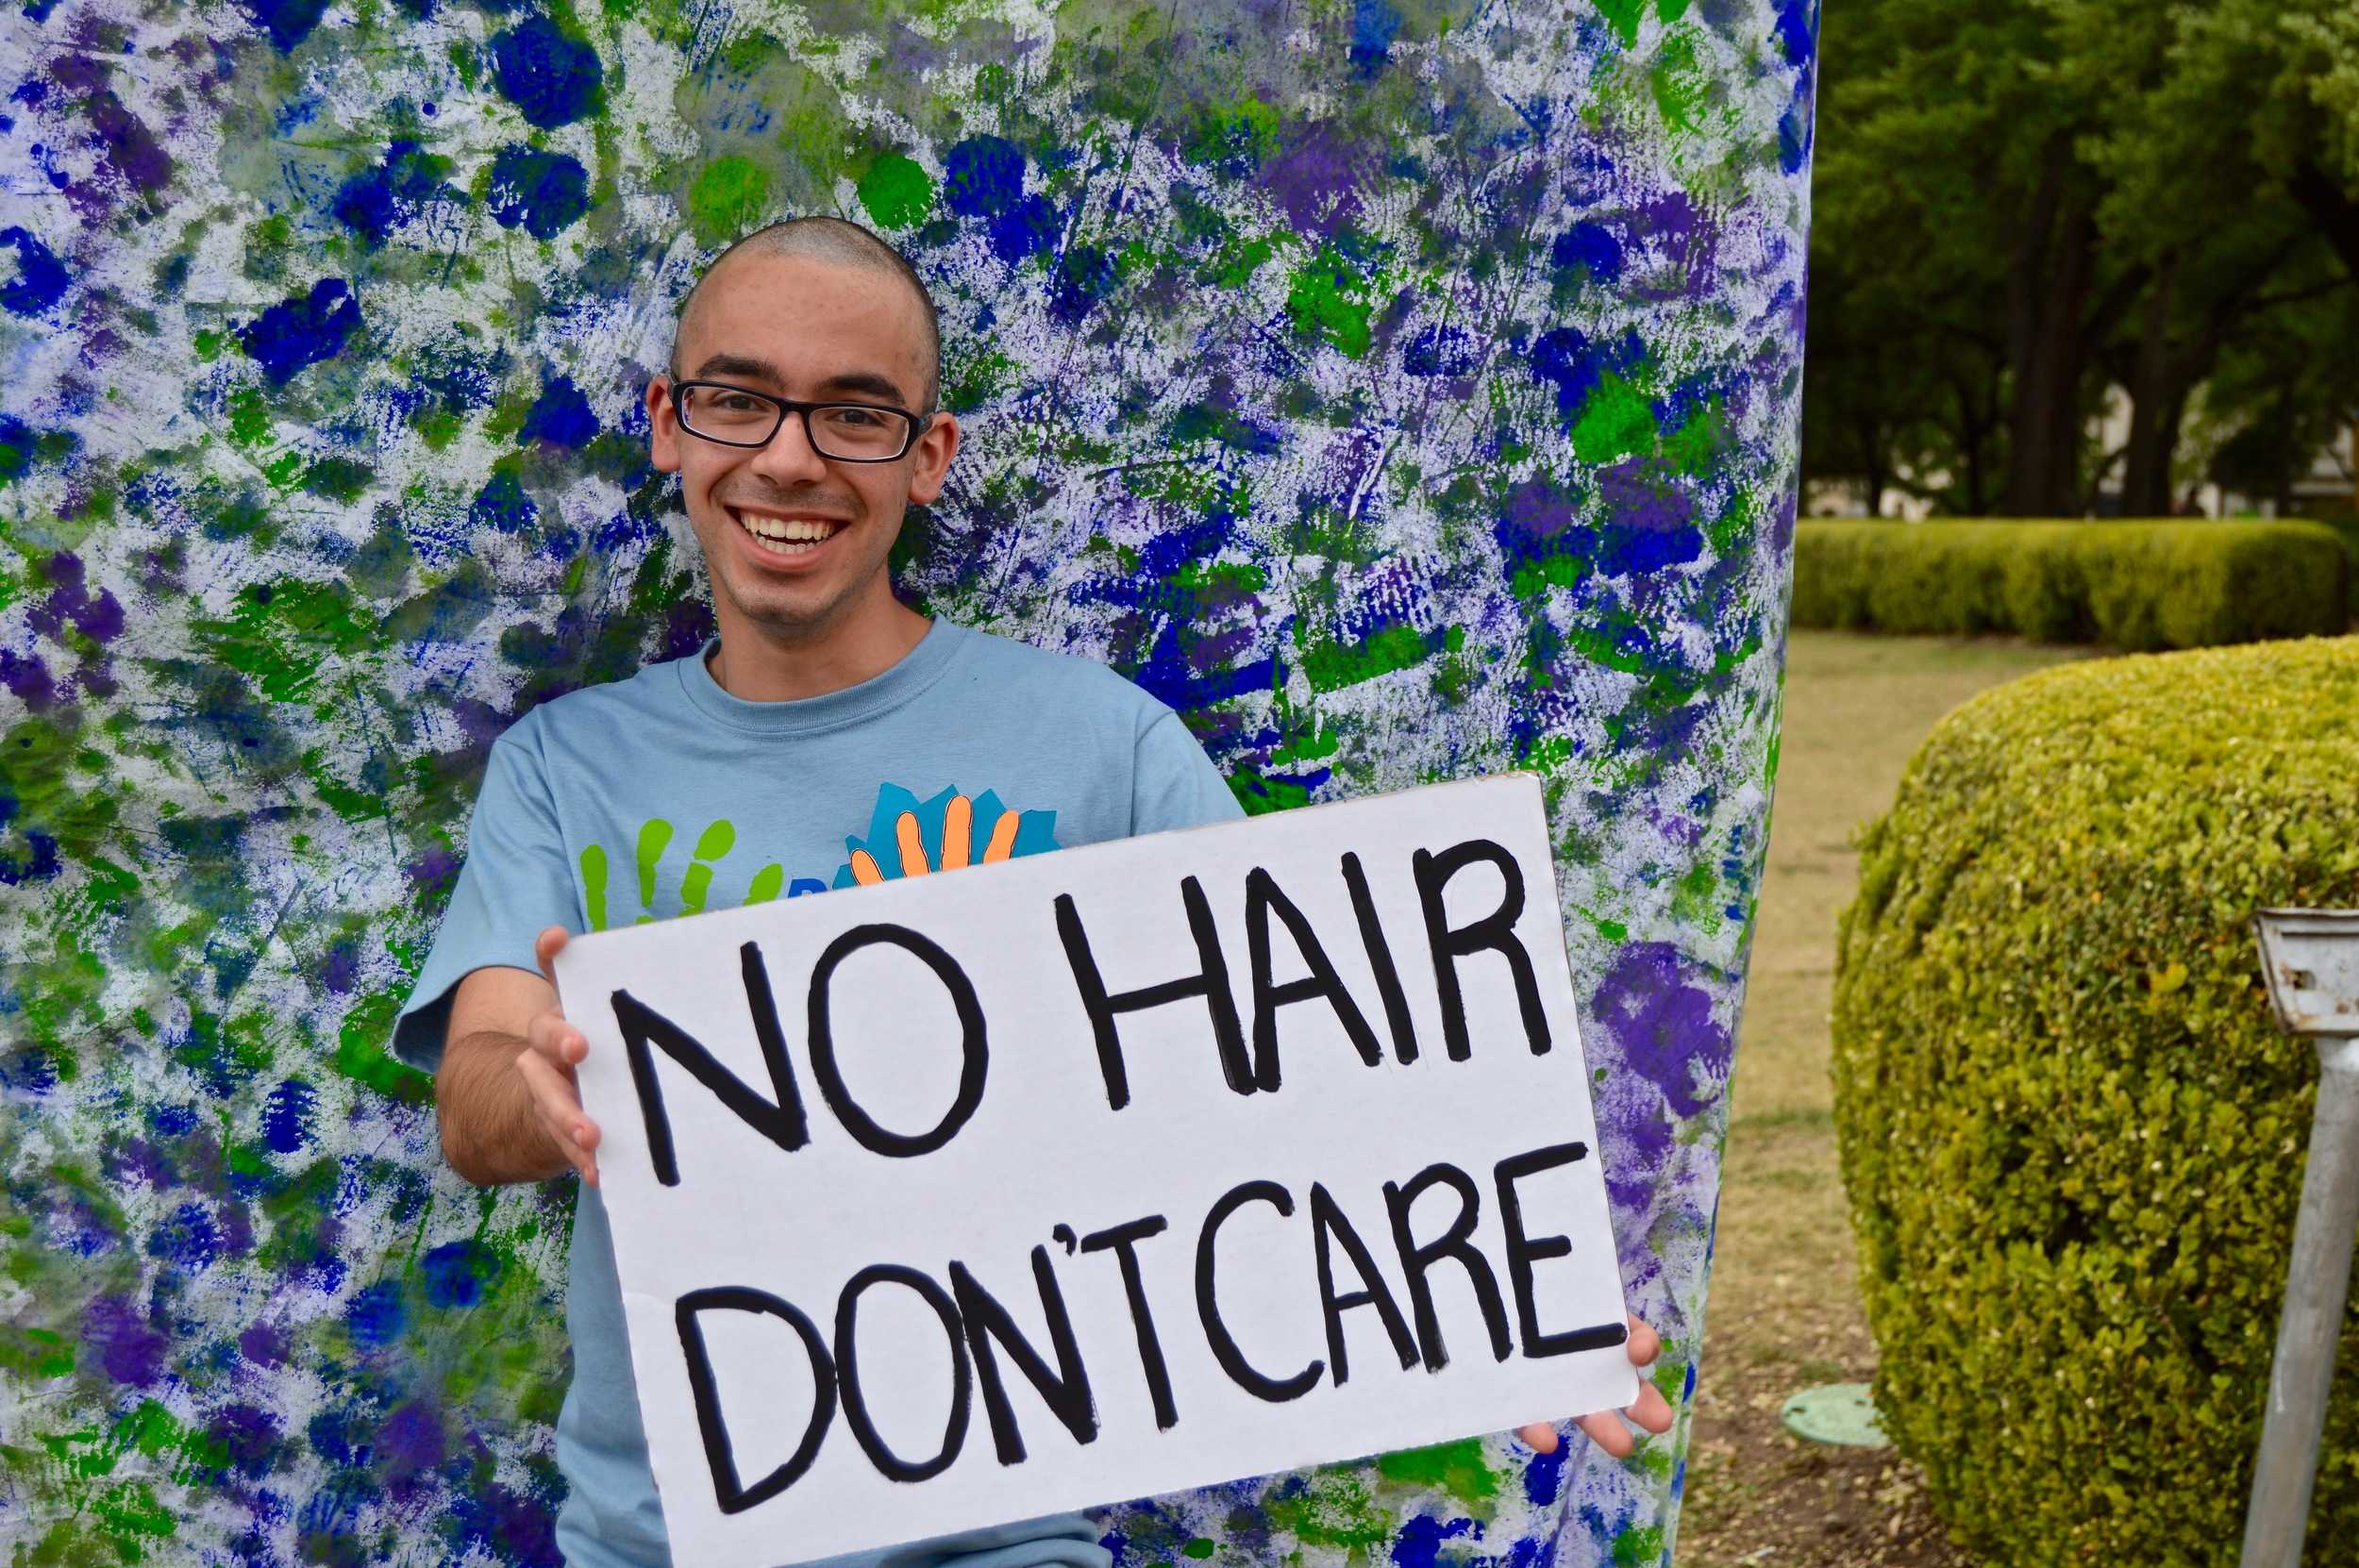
(2134, 586)
(2071, 1132)
(2346, 525)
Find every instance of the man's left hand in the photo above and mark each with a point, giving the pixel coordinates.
(1605, 1428)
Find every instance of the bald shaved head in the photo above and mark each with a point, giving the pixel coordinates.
(842, 243)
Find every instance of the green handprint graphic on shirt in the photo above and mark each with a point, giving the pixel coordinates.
(695, 887)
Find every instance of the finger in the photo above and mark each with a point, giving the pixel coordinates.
(1002, 843)
(864, 870)
(545, 947)
(1606, 1431)
(911, 842)
(958, 832)
(552, 1037)
(1653, 1411)
(1540, 1437)
(560, 1110)
(1643, 1345)
(574, 1134)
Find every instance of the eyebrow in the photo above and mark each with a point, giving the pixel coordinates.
(868, 381)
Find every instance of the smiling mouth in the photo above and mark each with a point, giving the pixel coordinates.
(786, 536)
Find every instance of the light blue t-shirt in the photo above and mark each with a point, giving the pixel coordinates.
(663, 794)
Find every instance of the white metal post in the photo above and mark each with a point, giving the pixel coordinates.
(2311, 958)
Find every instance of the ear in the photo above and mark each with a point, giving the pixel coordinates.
(663, 442)
(933, 451)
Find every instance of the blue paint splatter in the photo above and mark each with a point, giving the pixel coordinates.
(303, 330)
(190, 1238)
(287, 1116)
(1084, 276)
(288, 22)
(1373, 26)
(560, 416)
(1441, 350)
(1567, 358)
(502, 503)
(381, 200)
(40, 278)
(1542, 1476)
(15, 447)
(457, 1272)
(1421, 1540)
(1795, 127)
(982, 176)
(554, 80)
(544, 192)
(376, 1314)
(1592, 247)
(1796, 30)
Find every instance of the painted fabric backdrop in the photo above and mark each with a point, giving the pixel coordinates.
(1401, 392)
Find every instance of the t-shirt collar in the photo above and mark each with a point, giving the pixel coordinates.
(879, 693)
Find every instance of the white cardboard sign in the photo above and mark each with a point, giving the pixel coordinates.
(975, 1197)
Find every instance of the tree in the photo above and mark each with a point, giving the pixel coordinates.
(2022, 203)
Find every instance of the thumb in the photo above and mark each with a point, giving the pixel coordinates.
(546, 948)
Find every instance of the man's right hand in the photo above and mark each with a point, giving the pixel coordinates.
(552, 1048)
(506, 1094)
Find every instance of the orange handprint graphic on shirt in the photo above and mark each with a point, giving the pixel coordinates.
(908, 837)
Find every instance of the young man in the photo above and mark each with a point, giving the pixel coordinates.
(829, 735)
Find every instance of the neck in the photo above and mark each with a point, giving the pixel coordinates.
(763, 663)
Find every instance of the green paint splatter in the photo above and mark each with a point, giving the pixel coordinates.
(1641, 1546)
(1326, 298)
(896, 192)
(728, 199)
(1456, 1469)
(1239, 137)
(1330, 666)
(1680, 85)
(1615, 422)
(1624, 15)
(281, 632)
(1333, 1508)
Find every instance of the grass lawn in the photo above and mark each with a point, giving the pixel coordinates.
(1784, 1309)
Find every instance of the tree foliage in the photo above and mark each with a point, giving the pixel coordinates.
(2024, 203)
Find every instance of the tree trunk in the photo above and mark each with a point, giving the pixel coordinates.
(2331, 208)
(1875, 471)
(2048, 290)
(1974, 423)
(2155, 403)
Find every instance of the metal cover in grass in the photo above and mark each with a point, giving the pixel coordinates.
(1834, 1412)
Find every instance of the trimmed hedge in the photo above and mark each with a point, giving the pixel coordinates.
(2345, 525)
(2071, 1133)
(2134, 586)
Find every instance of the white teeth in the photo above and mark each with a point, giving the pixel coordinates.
(787, 536)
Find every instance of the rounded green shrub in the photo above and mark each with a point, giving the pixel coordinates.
(2072, 1134)
(2132, 585)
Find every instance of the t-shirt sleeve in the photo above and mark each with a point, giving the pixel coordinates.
(515, 881)
(1174, 784)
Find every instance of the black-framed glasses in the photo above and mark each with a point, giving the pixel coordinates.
(845, 432)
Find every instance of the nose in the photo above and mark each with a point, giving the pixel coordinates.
(789, 457)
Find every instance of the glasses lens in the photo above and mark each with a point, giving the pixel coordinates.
(848, 430)
(727, 415)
